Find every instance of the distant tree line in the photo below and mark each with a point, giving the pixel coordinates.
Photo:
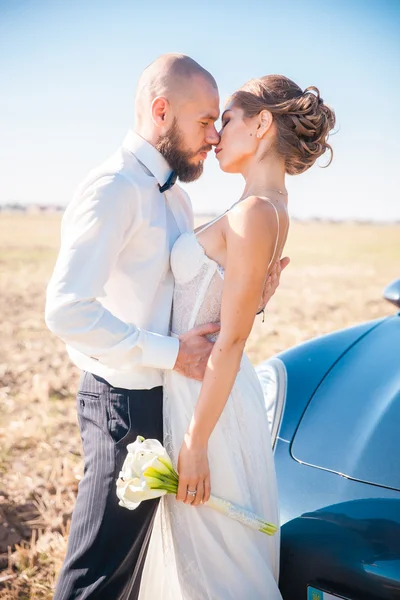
(57, 208)
(31, 208)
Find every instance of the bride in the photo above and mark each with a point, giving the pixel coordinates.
(216, 432)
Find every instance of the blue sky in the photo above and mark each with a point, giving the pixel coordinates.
(68, 72)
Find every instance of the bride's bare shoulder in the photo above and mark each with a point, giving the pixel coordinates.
(258, 209)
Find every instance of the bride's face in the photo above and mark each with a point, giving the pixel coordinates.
(238, 142)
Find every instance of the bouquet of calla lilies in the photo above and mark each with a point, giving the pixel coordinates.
(148, 473)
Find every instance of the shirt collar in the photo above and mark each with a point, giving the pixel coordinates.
(148, 155)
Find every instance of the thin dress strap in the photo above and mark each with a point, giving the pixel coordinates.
(277, 237)
(224, 213)
(216, 219)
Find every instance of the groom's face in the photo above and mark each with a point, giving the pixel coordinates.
(192, 133)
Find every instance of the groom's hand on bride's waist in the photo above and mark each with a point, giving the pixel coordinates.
(194, 351)
(272, 282)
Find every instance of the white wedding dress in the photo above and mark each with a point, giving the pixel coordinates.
(196, 553)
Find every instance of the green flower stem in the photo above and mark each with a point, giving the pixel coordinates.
(162, 483)
(154, 474)
(171, 469)
(169, 489)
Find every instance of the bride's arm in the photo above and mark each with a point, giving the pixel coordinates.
(250, 241)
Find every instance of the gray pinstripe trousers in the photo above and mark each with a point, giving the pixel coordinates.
(107, 544)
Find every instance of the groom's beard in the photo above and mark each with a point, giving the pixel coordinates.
(170, 146)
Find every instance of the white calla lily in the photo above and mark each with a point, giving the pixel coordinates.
(163, 467)
(132, 492)
(140, 453)
(129, 468)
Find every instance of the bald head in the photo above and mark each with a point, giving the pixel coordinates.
(176, 106)
(171, 76)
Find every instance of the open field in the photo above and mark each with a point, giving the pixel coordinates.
(335, 280)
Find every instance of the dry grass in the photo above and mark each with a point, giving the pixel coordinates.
(335, 279)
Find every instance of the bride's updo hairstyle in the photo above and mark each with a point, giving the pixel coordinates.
(302, 120)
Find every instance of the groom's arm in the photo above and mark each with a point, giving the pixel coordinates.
(94, 232)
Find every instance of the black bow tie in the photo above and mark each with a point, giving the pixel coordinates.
(169, 183)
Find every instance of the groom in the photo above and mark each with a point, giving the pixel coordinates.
(110, 299)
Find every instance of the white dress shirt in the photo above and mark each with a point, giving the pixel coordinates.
(110, 295)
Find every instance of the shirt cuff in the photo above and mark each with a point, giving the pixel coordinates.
(159, 351)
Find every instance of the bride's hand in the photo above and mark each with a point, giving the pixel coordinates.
(194, 472)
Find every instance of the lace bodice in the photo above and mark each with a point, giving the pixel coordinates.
(198, 285)
(199, 281)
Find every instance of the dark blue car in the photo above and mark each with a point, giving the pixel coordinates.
(334, 406)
